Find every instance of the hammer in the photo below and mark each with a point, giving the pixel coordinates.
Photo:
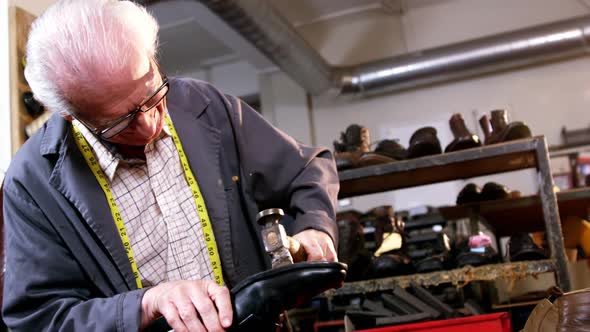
(283, 249)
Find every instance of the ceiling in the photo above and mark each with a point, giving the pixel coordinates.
(309, 11)
(347, 32)
(178, 53)
(189, 45)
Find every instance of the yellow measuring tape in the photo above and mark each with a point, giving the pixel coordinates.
(192, 182)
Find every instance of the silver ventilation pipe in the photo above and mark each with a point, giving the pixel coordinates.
(259, 23)
(510, 50)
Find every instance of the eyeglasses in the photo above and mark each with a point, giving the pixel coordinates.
(116, 126)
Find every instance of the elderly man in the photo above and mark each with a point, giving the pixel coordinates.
(136, 199)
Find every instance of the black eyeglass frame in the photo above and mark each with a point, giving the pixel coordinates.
(131, 115)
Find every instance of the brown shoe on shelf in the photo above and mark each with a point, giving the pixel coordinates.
(464, 139)
(355, 141)
(501, 130)
(347, 160)
(355, 138)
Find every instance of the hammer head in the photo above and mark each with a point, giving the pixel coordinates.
(274, 237)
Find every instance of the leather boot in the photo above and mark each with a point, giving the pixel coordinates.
(499, 121)
(484, 123)
(464, 139)
(393, 261)
(351, 247)
(424, 143)
(355, 141)
(355, 138)
(259, 300)
(384, 222)
(502, 130)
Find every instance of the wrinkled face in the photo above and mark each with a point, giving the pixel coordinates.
(121, 96)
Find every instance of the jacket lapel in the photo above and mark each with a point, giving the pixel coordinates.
(74, 180)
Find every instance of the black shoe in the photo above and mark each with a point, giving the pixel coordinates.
(432, 263)
(474, 256)
(424, 143)
(471, 193)
(492, 191)
(259, 300)
(521, 247)
(389, 265)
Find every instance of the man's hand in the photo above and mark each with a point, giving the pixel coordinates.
(318, 245)
(199, 305)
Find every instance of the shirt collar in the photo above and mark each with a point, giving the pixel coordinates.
(106, 153)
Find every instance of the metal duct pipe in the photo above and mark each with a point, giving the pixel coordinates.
(500, 52)
(259, 23)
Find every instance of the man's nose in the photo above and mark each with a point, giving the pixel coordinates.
(143, 118)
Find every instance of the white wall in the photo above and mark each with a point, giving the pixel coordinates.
(235, 78)
(284, 104)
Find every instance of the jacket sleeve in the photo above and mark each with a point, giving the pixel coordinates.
(44, 288)
(282, 172)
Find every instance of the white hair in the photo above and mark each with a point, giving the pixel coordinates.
(75, 44)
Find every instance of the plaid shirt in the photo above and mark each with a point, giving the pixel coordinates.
(158, 209)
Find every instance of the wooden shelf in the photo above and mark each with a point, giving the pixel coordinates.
(522, 214)
(464, 164)
(20, 22)
(457, 277)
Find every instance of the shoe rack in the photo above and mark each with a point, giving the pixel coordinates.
(529, 153)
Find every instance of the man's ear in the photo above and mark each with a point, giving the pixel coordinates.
(67, 117)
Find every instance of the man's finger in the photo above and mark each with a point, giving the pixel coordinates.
(314, 252)
(188, 315)
(173, 318)
(222, 299)
(330, 253)
(205, 308)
